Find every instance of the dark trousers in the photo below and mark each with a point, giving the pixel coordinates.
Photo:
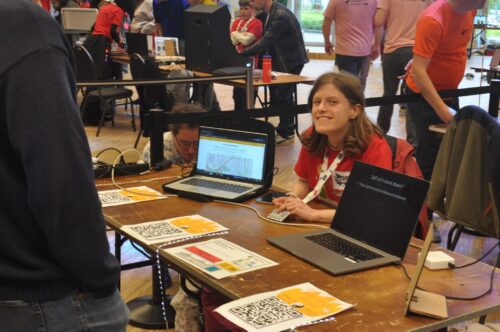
(393, 66)
(351, 64)
(284, 94)
(240, 98)
(428, 143)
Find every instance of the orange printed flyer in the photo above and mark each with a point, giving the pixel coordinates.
(128, 196)
(283, 309)
(172, 229)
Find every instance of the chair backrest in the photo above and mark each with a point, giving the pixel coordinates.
(85, 67)
(495, 189)
(155, 96)
(242, 123)
(78, 18)
(404, 162)
(137, 66)
(463, 171)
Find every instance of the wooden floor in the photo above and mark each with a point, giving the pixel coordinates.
(138, 282)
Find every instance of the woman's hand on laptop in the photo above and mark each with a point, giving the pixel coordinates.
(298, 208)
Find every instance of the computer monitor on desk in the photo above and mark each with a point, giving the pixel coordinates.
(208, 45)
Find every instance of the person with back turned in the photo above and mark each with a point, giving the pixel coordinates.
(56, 271)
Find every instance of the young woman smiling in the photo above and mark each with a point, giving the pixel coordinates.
(341, 133)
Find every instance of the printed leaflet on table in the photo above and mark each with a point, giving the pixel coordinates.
(131, 195)
(282, 309)
(220, 258)
(172, 229)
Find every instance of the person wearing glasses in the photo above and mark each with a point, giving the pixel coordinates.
(180, 144)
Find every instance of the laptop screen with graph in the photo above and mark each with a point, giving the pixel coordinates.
(230, 165)
(231, 154)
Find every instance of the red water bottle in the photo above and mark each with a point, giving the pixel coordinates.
(266, 69)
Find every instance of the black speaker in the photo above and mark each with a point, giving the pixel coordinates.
(208, 44)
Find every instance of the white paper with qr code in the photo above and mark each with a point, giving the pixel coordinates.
(172, 229)
(131, 195)
(220, 258)
(282, 309)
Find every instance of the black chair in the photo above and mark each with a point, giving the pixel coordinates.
(156, 96)
(153, 96)
(137, 66)
(107, 96)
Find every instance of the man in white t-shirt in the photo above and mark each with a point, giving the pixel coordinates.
(399, 17)
(354, 32)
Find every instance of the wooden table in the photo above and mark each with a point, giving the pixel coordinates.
(379, 294)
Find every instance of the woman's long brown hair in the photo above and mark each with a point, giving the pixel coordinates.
(360, 128)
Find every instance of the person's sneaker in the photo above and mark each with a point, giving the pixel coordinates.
(436, 235)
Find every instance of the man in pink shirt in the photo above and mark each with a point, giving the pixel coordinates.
(354, 32)
(399, 17)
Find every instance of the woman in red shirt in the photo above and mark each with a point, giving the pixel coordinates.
(341, 134)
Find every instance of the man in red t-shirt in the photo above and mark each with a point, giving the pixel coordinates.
(104, 32)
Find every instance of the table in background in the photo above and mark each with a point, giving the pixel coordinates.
(379, 294)
(481, 28)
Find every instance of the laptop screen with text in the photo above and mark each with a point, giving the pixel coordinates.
(231, 154)
(391, 204)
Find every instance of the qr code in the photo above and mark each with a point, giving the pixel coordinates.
(113, 197)
(156, 231)
(265, 312)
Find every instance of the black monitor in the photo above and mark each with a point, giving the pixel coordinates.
(208, 45)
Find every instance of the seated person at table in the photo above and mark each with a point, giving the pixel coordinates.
(180, 144)
(340, 124)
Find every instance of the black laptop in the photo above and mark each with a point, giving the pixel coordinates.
(373, 224)
(230, 166)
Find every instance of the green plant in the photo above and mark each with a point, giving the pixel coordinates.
(311, 20)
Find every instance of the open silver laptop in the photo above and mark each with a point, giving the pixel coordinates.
(230, 165)
(374, 222)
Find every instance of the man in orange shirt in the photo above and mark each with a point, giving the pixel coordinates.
(440, 55)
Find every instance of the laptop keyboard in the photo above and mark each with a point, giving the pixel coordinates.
(234, 188)
(343, 247)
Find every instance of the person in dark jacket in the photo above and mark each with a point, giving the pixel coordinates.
(283, 40)
(56, 271)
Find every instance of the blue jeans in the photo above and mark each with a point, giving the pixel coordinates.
(75, 312)
(393, 65)
(351, 64)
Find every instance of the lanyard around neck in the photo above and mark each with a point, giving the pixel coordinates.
(324, 175)
(245, 26)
